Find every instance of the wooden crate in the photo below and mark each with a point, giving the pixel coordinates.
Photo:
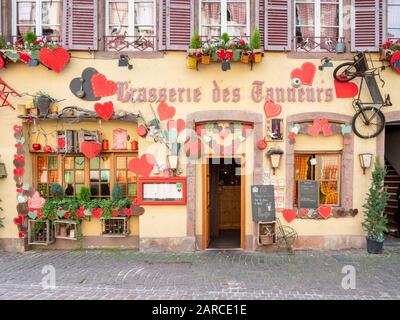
(66, 229)
(114, 227)
(266, 233)
(40, 232)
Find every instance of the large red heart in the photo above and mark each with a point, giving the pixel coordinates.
(103, 87)
(104, 110)
(289, 214)
(272, 109)
(90, 149)
(179, 125)
(165, 112)
(54, 59)
(193, 149)
(314, 129)
(345, 89)
(143, 165)
(305, 73)
(324, 212)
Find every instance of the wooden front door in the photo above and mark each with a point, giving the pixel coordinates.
(229, 207)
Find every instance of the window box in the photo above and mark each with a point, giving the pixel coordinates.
(66, 229)
(40, 232)
(114, 227)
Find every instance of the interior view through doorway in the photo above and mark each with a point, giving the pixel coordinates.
(224, 203)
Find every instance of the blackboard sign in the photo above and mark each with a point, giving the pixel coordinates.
(308, 194)
(263, 203)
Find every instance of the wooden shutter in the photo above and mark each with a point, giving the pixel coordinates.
(277, 25)
(179, 24)
(260, 19)
(80, 24)
(162, 25)
(365, 25)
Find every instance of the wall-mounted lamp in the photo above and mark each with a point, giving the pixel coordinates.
(274, 155)
(365, 161)
(325, 63)
(124, 61)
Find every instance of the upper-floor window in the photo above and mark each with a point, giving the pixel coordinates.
(220, 16)
(393, 19)
(130, 20)
(40, 16)
(318, 23)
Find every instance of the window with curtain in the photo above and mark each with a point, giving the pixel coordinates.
(99, 174)
(130, 17)
(320, 21)
(231, 16)
(46, 174)
(40, 16)
(324, 168)
(393, 19)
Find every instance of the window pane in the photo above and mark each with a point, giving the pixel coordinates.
(132, 189)
(94, 176)
(121, 162)
(329, 15)
(26, 13)
(394, 33)
(51, 18)
(211, 13)
(328, 167)
(42, 163)
(43, 176)
(118, 14)
(68, 176)
(42, 189)
(329, 192)
(52, 163)
(69, 190)
(69, 162)
(121, 176)
(105, 176)
(131, 177)
(80, 176)
(211, 31)
(236, 19)
(237, 31)
(105, 189)
(53, 175)
(105, 163)
(305, 20)
(95, 163)
(144, 13)
(79, 163)
(94, 189)
(78, 187)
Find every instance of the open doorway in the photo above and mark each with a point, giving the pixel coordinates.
(224, 203)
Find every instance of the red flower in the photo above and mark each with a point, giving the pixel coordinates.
(115, 213)
(136, 202)
(24, 57)
(19, 157)
(242, 42)
(97, 212)
(19, 220)
(80, 212)
(38, 41)
(60, 209)
(128, 212)
(66, 215)
(39, 214)
(291, 136)
(21, 234)
(19, 43)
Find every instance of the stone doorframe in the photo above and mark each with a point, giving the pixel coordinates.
(392, 116)
(347, 157)
(220, 115)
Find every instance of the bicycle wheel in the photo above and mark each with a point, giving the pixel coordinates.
(345, 72)
(368, 122)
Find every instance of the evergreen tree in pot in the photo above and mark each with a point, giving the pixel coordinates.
(375, 223)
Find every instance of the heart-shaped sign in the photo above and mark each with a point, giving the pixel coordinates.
(193, 148)
(143, 165)
(18, 164)
(272, 109)
(90, 149)
(32, 214)
(314, 130)
(165, 112)
(36, 201)
(171, 135)
(104, 110)
(82, 87)
(97, 212)
(305, 73)
(346, 141)
(303, 212)
(178, 125)
(289, 214)
(60, 143)
(137, 210)
(19, 219)
(103, 87)
(345, 89)
(327, 130)
(55, 59)
(345, 129)
(19, 172)
(395, 61)
(324, 211)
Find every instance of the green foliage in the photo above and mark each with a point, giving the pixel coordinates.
(116, 193)
(83, 194)
(30, 37)
(256, 39)
(3, 42)
(195, 42)
(225, 38)
(57, 191)
(45, 94)
(375, 223)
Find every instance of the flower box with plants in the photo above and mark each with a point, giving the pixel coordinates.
(224, 50)
(34, 51)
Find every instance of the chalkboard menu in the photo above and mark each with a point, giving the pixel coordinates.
(308, 194)
(263, 203)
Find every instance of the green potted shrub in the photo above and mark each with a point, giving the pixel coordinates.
(57, 191)
(83, 195)
(375, 223)
(256, 46)
(194, 51)
(30, 37)
(116, 193)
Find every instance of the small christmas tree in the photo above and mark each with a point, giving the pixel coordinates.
(116, 193)
(83, 194)
(377, 197)
(256, 39)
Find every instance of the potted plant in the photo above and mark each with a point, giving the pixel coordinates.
(116, 193)
(83, 194)
(57, 191)
(340, 46)
(194, 52)
(43, 102)
(375, 223)
(245, 51)
(256, 46)
(205, 54)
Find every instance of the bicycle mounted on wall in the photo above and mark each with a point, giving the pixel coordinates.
(368, 121)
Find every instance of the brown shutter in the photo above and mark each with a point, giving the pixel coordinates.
(277, 25)
(80, 24)
(365, 25)
(162, 25)
(260, 19)
(179, 24)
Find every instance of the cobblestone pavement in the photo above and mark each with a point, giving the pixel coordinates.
(114, 274)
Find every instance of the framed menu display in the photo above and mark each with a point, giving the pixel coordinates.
(162, 191)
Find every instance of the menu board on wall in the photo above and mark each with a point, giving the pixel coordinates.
(263, 203)
(162, 191)
(308, 194)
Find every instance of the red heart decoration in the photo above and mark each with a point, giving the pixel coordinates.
(19, 157)
(90, 149)
(345, 89)
(289, 214)
(165, 112)
(346, 141)
(305, 73)
(103, 87)
(17, 129)
(193, 148)
(21, 234)
(60, 143)
(200, 128)
(292, 136)
(97, 212)
(104, 110)
(304, 212)
(54, 59)
(128, 212)
(1, 62)
(19, 220)
(19, 172)
(327, 130)
(143, 165)
(314, 130)
(394, 61)
(324, 212)
(115, 213)
(179, 125)
(272, 109)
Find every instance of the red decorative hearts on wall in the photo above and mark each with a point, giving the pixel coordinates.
(90, 149)
(19, 172)
(97, 212)
(137, 211)
(103, 87)
(1, 62)
(289, 214)
(179, 125)
(314, 129)
(304, 212)
(193, 148)
(127, 211)
(19, 219)
(165, 112)
(60, 143)
(272, 109)
(394, 61)
(104, 110)
(305, 73)
(324, 212)
(55, 59)
(143, 165)
(345, 89)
